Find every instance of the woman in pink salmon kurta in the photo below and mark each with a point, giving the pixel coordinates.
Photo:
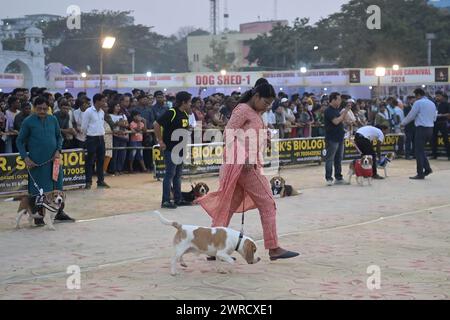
(242, 184)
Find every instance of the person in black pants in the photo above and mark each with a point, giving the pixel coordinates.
(440, 125)
(174, 121)
(409, 132)
(423, 114)
(92, 126)
(364, 138)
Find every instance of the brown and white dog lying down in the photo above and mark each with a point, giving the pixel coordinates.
(198, 190)
(362, 169)
(214, 242)
(281, 189)
(53, 202)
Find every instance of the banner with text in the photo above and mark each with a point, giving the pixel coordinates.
(14, 176)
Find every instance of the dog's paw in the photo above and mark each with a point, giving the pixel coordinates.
(51, 228)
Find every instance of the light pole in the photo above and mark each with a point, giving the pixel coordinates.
(430, 37)
(133, 59)
(380, 72)
(108, 43)
(84, 76)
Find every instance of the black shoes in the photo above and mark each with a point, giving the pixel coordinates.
(168, 205)
(286, 255)
(63, 217)
(378, 177)
(417, 177)
(183, 203)
(427, 173)
(88, 186)
(103, 185)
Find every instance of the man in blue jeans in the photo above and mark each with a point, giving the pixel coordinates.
(169, 137)
(334, 139)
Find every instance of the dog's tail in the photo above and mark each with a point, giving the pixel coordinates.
(163, 220)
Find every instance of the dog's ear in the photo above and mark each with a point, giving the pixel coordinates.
(249, 251)
(272, 181)
(207, 188)
(283, 182)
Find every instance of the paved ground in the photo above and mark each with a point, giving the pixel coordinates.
(401, 226)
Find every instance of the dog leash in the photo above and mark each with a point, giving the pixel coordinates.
(241, 235)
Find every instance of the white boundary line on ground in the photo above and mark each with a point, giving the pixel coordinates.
(121, 262)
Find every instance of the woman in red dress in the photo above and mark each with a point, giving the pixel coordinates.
(243, 187)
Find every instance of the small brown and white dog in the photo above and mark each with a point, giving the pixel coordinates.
(52, 203)
(281, 189)
(385, 161)
(214, 242)
(198, 190)
(362, 169)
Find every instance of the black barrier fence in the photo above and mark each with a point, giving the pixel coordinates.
(204, 158)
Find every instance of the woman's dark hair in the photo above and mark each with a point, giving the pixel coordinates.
(264, 90)
(261, 81)
(134, 114)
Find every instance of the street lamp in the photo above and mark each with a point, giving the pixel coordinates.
(149, 74)
(133, 59)
(223, 72)
(84, 76)
(430, 37)
(303, 70)
(108, 44)
(380, 72)
(396, 67)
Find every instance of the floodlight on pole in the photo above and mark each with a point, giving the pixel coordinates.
(108, 42)
(149, 74)
(396, 67)
(223, 72)
(303, 70)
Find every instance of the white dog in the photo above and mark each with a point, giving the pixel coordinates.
(385, 161)
(214, 242)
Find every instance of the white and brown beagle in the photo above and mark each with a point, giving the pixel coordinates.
(52, 202)
(215, 242)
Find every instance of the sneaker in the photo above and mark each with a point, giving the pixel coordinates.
(378, 177)
(341, 182)
(330, 183)
(168, 205)
(63, 217)
(103, 185)
(183, 203)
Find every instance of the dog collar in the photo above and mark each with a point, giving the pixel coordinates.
(241, 236)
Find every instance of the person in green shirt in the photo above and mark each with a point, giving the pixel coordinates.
(39, 143)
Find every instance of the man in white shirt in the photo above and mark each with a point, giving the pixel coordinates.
(80, 138)
(269, 119)
(364, 138)
(93, 126)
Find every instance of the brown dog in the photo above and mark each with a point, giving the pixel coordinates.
(280, 188)
(198, 190)
(53, 202)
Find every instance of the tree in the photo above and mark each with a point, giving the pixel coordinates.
(345, 39)
(220, 59)
(79, 48)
